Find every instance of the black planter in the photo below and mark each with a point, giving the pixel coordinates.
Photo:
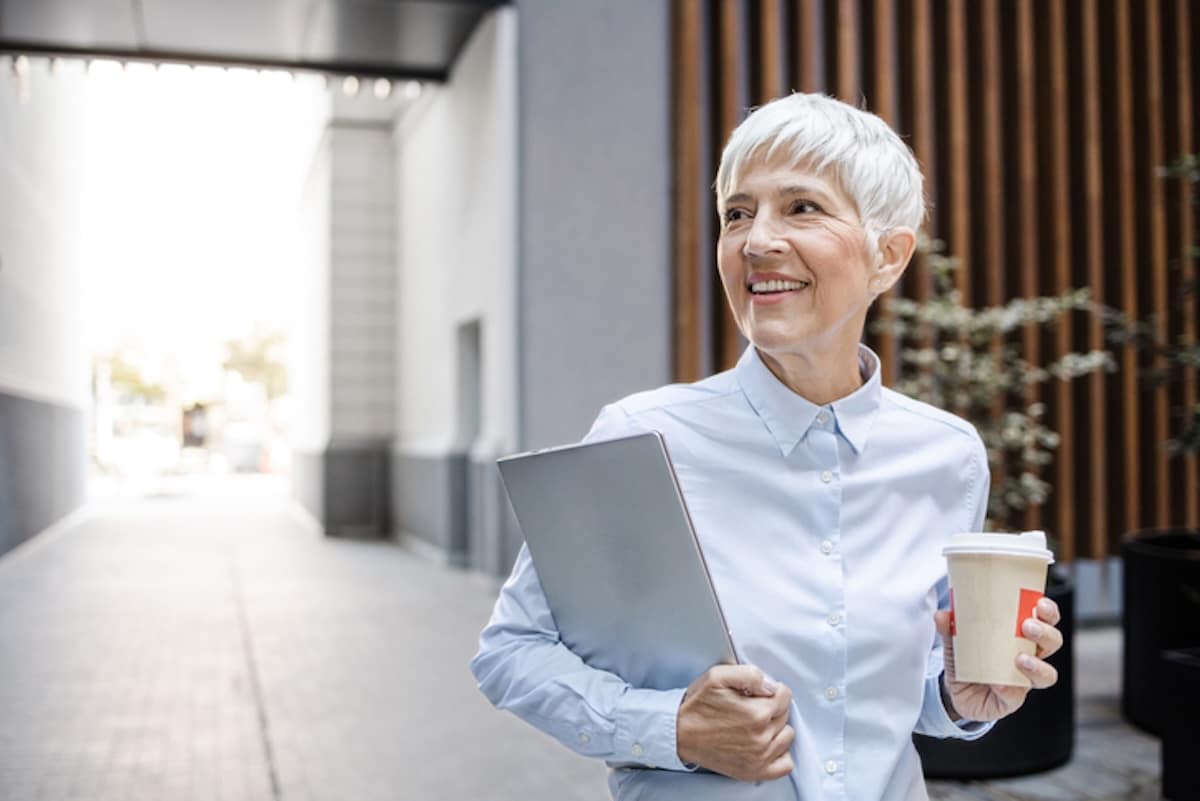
(1181, 735)
(1038, 736)
(1161, 610)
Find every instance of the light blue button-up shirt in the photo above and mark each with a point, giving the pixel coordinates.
(822, 527)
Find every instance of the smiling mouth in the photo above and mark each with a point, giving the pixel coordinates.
(776, 287)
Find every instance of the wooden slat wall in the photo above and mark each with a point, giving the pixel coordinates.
(1039, 125)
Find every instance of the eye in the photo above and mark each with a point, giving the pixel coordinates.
(803, 207)
(735, 215)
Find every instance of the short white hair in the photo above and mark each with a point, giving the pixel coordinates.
(868, 160)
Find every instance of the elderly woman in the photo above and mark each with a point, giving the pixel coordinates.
(821, 499)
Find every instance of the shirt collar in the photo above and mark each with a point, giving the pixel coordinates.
(789, 416)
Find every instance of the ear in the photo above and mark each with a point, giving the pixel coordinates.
(896, 247)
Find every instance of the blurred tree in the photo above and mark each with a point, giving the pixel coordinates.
(962, 359)
(257, 358)
(127, 380)
(1174, 360)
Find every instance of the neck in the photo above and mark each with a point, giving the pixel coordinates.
(818, 378)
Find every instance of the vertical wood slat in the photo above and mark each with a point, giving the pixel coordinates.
(921, 125)
(1093, 239)
(849, 82)
(771, 49)
(810, 75)
(1152, 119)
(958, 154)
(1028, 191)
(991, 219)
(1127, 256)
(731, 70)
(1064, 472)
(884, 104)
(689, 164)
(1183, 29)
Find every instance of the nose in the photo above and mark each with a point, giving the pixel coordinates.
(763, 238)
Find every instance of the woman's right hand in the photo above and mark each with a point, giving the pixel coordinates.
(733, 721)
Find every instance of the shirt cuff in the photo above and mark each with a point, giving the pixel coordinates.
(646, 728)
(936, 718)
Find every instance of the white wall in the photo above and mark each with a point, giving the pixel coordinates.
(308, 366)
(42, 341)
(457, 179)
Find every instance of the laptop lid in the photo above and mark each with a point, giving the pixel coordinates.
(610, 536)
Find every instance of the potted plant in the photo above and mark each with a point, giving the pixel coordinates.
(1161, 575)
(960, 359)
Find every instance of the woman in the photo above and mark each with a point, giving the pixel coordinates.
(821, 499)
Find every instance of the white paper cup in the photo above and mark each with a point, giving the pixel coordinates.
(995, 582)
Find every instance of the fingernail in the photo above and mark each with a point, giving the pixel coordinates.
(768, 685)
(1033, 628)
(1025, 661)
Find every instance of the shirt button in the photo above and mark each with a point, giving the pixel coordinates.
(834, 618)
(826, 476)
(831, 693)
(831, 766)
(583, 738)
(822, 418)
(636, 750)
(826, 547)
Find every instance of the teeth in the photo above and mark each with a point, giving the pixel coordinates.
(777, 286)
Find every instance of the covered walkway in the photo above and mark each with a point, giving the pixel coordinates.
(201, 641)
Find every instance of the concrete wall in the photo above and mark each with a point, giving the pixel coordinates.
(43, 358)
(456, 380)
(595, 226)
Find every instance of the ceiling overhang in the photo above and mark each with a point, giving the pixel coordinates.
(371, 38)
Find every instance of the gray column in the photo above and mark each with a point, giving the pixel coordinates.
(595, 191)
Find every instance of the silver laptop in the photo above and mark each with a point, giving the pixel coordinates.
(614, 548)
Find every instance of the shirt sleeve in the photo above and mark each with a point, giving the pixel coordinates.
(523, 666)
(934, 719)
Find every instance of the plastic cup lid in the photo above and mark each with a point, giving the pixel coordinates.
(1027, 543)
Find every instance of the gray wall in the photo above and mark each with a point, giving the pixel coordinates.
(42, 466)
(43, 354)
(594, 255)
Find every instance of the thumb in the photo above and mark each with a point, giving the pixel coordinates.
(748, 680)
(941, 619)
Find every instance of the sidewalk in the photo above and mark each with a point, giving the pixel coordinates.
(208, 645)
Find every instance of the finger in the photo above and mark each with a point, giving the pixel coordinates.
(781, 702)
(1042, 674)
(746, 679)
(780, 767)
(781, 743)
(1047, 611)
(1048, 638)
(941, 619)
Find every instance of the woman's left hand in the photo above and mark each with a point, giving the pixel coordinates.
(993, 701)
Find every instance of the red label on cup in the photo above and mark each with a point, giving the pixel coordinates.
(1029, 599)
(953, 628)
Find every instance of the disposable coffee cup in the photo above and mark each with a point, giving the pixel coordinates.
(996, 581)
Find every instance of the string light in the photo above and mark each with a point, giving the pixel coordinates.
(350, 85)
(383, 88)
(412, 90)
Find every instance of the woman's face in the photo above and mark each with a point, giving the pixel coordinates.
(794, 261)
